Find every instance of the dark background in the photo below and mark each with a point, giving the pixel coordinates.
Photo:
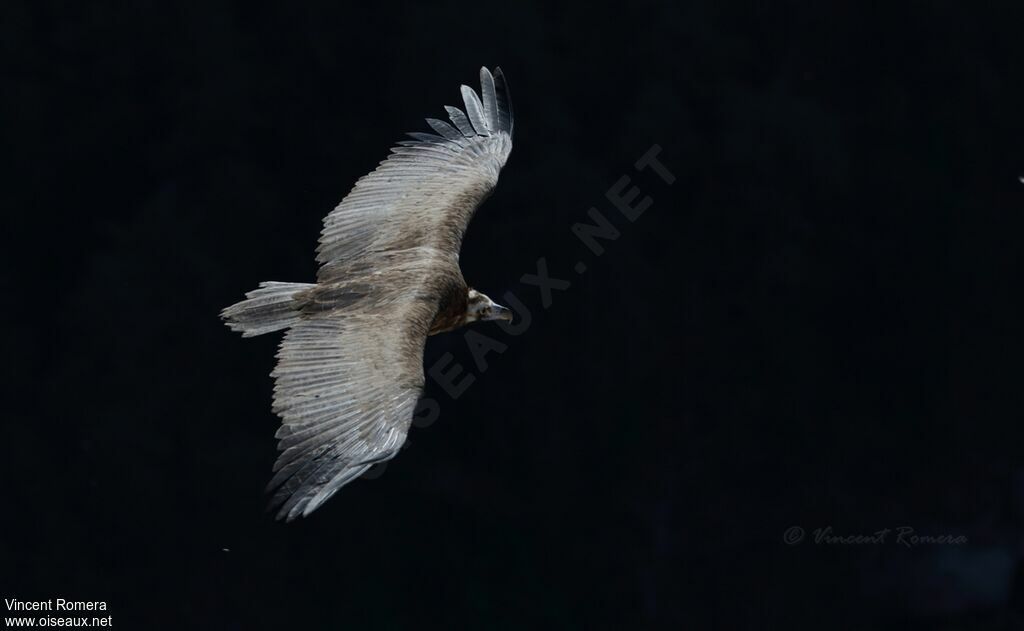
(813, 326)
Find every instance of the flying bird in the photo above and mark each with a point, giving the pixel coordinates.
(350, 366)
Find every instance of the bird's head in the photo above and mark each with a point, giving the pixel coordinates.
(479, 308)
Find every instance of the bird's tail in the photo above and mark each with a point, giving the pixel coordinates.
(270, 308)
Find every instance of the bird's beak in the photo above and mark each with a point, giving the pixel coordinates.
(498, 312)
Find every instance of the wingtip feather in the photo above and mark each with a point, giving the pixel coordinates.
(475, 111)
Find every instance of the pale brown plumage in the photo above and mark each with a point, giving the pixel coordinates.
(349, 370)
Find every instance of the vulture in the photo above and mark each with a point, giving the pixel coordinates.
(349, 368)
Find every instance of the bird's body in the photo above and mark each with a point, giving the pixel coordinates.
(349, 369)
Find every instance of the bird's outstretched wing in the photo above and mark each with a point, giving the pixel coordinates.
(346, 387)
(350, 373)
(425, 193)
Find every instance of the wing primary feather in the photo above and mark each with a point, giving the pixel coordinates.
(422, 137)
(444, 129)
(475, 111)
(460, 121)
(489, 99)
(504, 100)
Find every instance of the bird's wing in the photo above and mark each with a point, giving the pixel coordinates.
(425, 193)
(347, 380)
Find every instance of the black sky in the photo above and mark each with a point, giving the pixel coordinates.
(811, 326)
